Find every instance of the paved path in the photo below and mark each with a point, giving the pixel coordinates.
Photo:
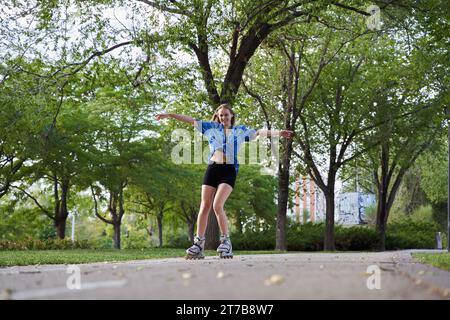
(273, 277)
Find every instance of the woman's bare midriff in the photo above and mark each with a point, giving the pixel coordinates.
(218, 156)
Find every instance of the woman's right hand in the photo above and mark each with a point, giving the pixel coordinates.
(162, 116)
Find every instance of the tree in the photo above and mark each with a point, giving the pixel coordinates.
(36, 144)
(21, 118)
(119, 120)
(410, 117)
(317, 90)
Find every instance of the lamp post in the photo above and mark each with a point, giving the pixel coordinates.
(73, 226)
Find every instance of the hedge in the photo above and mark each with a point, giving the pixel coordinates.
(406, 234)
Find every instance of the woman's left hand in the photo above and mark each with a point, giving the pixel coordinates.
(287, 133)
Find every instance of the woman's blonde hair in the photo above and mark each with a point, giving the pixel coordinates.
(216, 118)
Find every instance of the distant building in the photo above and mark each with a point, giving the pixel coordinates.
(309, 201)
(350, 207)
(309, 204)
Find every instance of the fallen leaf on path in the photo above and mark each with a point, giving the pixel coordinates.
(274, 279)
(186, 275)
(6, 294)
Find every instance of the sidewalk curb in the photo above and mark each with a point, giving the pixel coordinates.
(433, 279)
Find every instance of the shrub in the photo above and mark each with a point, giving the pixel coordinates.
(178, 241)
(439, 214)
(370, 215)
(410, 234)
(136, 239)
(253, 240)
(356, 238)
(404, 234)
(305, 237)
(48, 244)
(401, 234)
(423, 213)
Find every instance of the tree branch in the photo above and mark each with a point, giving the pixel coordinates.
(96, 208)
(165, 8)
(82, 64)
(47, 213)
(205, 67)
(261, 103)
(337, 4)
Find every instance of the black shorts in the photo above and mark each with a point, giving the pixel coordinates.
(218, 173)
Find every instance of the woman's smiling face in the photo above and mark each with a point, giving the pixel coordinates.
(225, 117)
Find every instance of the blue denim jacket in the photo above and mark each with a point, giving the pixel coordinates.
(229, 145)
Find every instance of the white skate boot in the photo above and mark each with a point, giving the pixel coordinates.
(196, 250)
(225, 249)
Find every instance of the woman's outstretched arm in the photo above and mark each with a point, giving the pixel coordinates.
(275, 133)
(179, 117)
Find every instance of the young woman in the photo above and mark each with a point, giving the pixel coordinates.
(224, 141)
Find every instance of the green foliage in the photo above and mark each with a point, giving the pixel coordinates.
(434, 173)
(49, 244)
(370, 215)
(135, 239)
(440, 215)
(411, 195)
(305, 237)
(253, 240)
(407, 234)
(88, 122)
(410, 234)
(20, 223)
(76, 256)
(356, 238)
(438, 260)
(178, 241)
(423, 214)
(252, 203)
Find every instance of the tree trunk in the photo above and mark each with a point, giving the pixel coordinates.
(329, 241)
(382, 186)
(117, 234)
(381, 230)
(116, 199)
(283, 195)
(61, 211)
(60, 226)
(212, 234)
(191, 226)
(384, 205)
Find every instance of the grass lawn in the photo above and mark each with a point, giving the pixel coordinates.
(438, 260)
(76, 256)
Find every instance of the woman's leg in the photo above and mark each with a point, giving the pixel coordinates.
(222, 194)
(205, 206)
